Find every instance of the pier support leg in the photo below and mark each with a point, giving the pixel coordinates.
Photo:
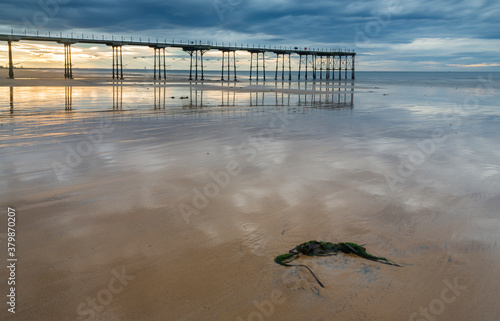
(289, 67)
(352, 70)
(191, 66)
(222, 68)
(330, 61)
(223, 64)
(154, 64)
(114, 63)
(66, 61)
(164, 65)
(307, 63)
(68, 69)
(251, 63)
(11, 65)
(70, 62)
(196, 65)
(328, 67)
(345, 67)
(234, 64)
(333, 67)
(117, 62)
(321, 67)
(121, 63)
(202, 71)
(314, 66)
(159, 62)
(277, 64)
(257, 67)
(300, 65)
(283, 67)
(340, 67)
(264, 65)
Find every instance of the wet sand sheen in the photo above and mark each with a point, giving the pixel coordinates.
(255, 185)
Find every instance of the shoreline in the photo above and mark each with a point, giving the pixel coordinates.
(322, 86)
(27, 76)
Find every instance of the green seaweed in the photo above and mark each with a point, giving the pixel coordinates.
(280, 259)
(319, 248)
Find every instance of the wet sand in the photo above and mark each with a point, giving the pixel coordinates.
(139, 206)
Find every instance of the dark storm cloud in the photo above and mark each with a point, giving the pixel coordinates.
(111, 15)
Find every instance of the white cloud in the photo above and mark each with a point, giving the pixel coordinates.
(475, 65)
(433, 46)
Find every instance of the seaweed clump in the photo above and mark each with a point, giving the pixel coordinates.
(319, 248)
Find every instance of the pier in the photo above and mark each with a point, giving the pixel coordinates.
(313, 63)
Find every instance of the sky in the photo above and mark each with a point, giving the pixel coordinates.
(387, 35)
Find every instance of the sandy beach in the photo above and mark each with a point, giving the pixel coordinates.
(169, 201)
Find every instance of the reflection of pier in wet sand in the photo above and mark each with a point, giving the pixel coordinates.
(68, 98)
(11, 90)
(326, 95)
(117, 96)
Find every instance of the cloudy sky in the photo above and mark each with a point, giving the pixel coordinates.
(386, 34)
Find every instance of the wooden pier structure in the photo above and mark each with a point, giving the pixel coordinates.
(313, 63)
